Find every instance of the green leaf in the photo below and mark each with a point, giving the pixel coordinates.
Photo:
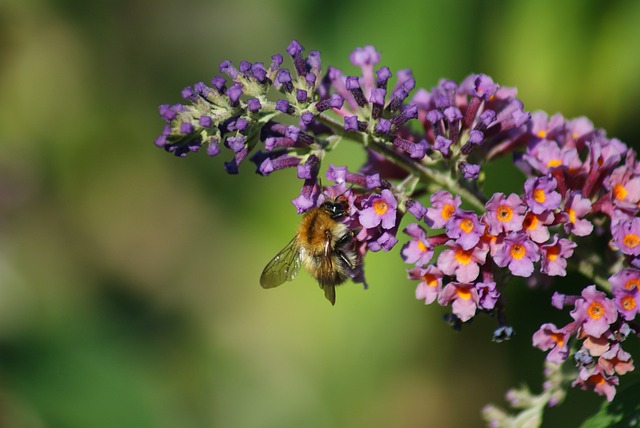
(623, 411)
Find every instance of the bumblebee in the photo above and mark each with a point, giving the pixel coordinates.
(323, 245)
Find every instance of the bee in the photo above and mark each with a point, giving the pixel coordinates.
(322, 244)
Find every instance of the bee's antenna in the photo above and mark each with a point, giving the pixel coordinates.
(322, 188)
(347, 190)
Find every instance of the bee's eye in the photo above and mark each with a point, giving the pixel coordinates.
(337, 209)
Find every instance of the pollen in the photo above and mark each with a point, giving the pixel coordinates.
(430, 280)
(466, 225)
(517, 251)
(631, 240)
(572, 215)
(530, 221)
(554, 163)
(421, 246)
(595, 310)
(553, 252)
(463, 293)
(380, 207)
(558, 338)
(619, 192)
(463, 257)
(447, 211)
(628, 303)
(539, 196)
(542, 133)
(504, 213)
(632, 283)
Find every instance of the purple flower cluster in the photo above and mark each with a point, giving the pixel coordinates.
(578, 208)
(601, 324)
(577, 177)
(510, 234)
(236, 112)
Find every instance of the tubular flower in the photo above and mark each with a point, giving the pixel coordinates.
(425, 153)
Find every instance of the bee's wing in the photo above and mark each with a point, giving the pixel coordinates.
(283, 267)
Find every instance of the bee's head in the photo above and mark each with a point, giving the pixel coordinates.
(337, 208)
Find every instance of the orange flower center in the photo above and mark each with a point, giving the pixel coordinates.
(631, 240)
(539, 196)
(552, 252)
(517, 251)
(554, 163)
(488, 238)
(421, 246)
(572, 215)
(542, 133)
(447, 211)
(530, 221)
(558, 338)
(504, 213)
(632, 283)
(596, 310)
(464, 293)
(466, 225)
(430, 279)
(596, 379)
(628, 303)
(619, 192)
(380, 207)
(463, 257)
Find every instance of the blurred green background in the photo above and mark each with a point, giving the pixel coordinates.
(129, 288)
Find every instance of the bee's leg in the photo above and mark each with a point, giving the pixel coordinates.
(344, 240)
(345, 259)
(329, 293)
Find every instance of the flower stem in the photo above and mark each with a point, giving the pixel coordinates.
(427, 175)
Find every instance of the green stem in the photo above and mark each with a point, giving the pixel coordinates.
(586, 268)
(427, 175)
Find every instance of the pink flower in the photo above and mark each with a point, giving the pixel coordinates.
(555, 255)
(418, 250)
(535, 226)
(595, 311)
(576, 207)
(379, 210)
(624, 187)
(541, 195)
(464, 298)
(430, 283)
(444, 205)
(518, 253)
(551, 337)
(465, 227)
(627, 301)
(626, 235)
(616, 360)
(504, 214)
(596, 380)
(463, 263)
